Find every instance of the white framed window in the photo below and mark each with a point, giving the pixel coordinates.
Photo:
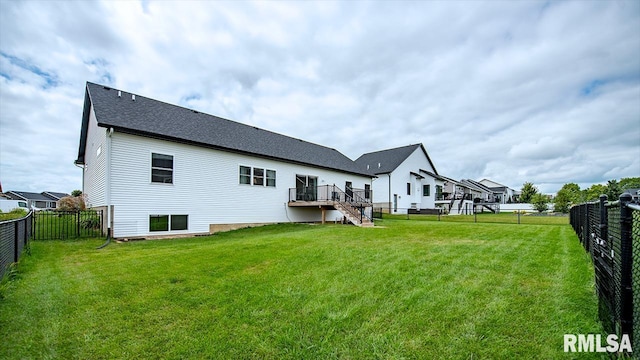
(161, 168)
(245, 175)
(271, 178)
(256, 176)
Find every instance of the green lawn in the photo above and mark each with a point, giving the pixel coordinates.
(405, 289)
(504, 218)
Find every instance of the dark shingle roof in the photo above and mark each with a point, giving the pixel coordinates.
(153, 118)
(25, 195)
(474, 184)
(385, 161)
(55, 195)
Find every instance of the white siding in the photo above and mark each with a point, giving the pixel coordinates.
(205, 187)
(95, 174)
(399, 179)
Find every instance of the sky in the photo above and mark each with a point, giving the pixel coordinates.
(522, 91)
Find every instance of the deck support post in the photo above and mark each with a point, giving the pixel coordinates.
(324, 214)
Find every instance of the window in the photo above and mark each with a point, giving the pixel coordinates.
(158, 222)
(367, 191)
(271, 178)
(408, 188)
(258, 176)
(179, 222)
(245, 175)
(426, 190)
(162, 222)
(161, 168)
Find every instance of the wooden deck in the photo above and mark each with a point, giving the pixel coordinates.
(317, 203)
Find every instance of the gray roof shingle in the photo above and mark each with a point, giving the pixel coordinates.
(157, 119)
(385, 161)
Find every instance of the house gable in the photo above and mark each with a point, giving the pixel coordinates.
(386, 161)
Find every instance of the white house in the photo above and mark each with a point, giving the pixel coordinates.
(162, 170)
(406, 181)
(503, 193)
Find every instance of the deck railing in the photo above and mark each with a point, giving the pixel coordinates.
(330, 193)
(358, 202)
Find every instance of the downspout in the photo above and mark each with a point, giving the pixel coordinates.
(389, 174)
(108, 183)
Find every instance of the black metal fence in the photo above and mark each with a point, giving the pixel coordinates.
(515, 217)
(14, 238)
(610, 232)
(61, 225)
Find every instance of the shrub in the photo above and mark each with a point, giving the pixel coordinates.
(91, 223)
(70, 203)
(539, 202)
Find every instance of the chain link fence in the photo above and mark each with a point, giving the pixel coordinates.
(14, 238)
(610, 232)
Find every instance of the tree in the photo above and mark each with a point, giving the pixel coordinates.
(593, 193)
(539, 202)
(562, 202)
(613, 190)
(630, 183)
(76, 193)
(527, 192)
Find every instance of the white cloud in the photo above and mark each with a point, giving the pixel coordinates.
(525, 91)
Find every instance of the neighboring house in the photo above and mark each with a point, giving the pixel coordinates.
(406, 180)
(635, 194)
(163, 170)
(503, 193)
(46, 200)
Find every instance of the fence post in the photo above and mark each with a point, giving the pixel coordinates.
(77, 223)
(16, 241)
(626, 291)
(604, 221)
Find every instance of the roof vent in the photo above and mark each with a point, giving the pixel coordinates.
(119, 93)
(378, 165)
(133, 97)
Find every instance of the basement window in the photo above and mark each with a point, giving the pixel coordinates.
(166, 222)
(158, 222)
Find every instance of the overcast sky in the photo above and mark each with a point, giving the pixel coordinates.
(546, 92)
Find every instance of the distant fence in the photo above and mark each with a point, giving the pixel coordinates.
(610, 232)
(61, 225)
(517, 217)
(14, 238)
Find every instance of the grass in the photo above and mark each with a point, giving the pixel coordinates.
(504, 218)
(406, 289)
(13, 214)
